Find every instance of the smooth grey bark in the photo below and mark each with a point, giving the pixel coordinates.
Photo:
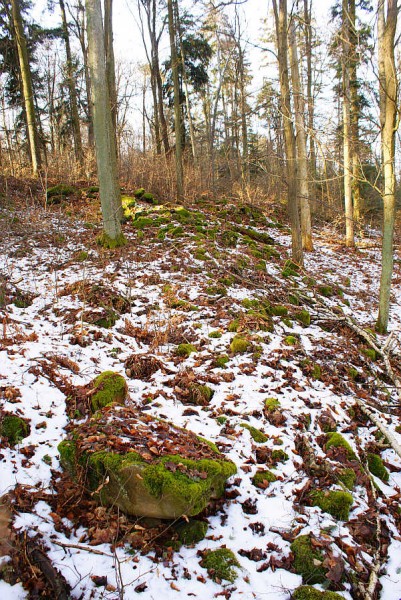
(299, 109)
(27, 89)
(177, 107)
(281, 21)
(347, 155)
(110, 63)
(71, 82)
(387, 25)
(109, 189)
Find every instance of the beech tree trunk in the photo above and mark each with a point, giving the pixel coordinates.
(387, 25)
(110, 63)
(71, 82)
(27, 88)
(299, 108)
(177, 107)
(347, 156)
(103, 129)
(280, 15)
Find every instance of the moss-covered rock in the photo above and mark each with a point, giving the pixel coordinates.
(221, 361)
(110, 243)
(347, 477)
(239, 345)
(220, 564)
(291, 340)
(233, 326)
(307, 592)
(370, 353)
(272, 404)
(258, 436)
(13, 429)
(261, 479)
(185, 349)
(377, 468)
(325, 290)
(336, 503)
(303, 317)
(108, 387)
(279, 456)
(336, 440)
(199, 394)
(215, 334)
(55, 193)
(138, 193)
(120, 470)
(308, 561)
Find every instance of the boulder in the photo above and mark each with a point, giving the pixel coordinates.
(143, 465)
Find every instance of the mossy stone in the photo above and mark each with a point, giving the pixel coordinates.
(336, 440)
(14, 429)
(200, 395)
(261, 478)
(279, 456)
(68, 456)
(192, 532)
(377, 468)
(221, 361)
(272, 404)
(291, 340)
(239, 345)
(60, 190)
(308, 561)
(108, 387)
(220, 564)
(316, 372)
(185, 349)
(139, 192)
(335, 503)
(326, 291)
(279, 310)
(307, 592)
(215, 334)
(258, 436)
(233, 326)
(370, 353)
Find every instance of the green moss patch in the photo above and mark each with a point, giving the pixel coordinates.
(221, 361)
(291, 340)
(336, 503)
(347, 477)
(221, 564)
(110, 243)
(279, 456)
(258, 436)
(307, 592)
(303, 317)
(191, 533)
(308, 561)
(108, 387)
(336, 440)
(261, 479)
(14, 429)
(59, 191)
(215, 334)
(239, 345)
(290, 269)
(185, 350)
(377, 468)
(200, 395)
(272, 404)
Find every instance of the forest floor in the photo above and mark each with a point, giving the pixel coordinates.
(202, 275)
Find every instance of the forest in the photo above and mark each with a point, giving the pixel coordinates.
(200, 300)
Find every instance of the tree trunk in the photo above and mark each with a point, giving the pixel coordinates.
(309, 74)
(346, 72)
(387, 25)
(354, 113)
(103, 129)
(293, 208)
(27, 88)
(110, 63)
(299, 108)
(177, 106)
(71, 82)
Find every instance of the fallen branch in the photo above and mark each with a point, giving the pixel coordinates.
(59, 586)
(81, 547)
(387, 434)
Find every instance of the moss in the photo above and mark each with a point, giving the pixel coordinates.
(303, 317)
(211, 445)
(279, 311)
(68, 456)
(14, 429)
(108, 320)
(216, 290)
(262, 477)
(185, 349)
(247, 303)
(60, 190)
(215, 334)
(258, 436)
(221, 361)
(188, 482)
(200, 394)
(191, 533)
(370, 353)
(377, 468)
(307, 592)
(336, 440)
(93, 189)
(272, 404)
(239, 345)
(142, 222)
(353, 373)
(233, 326)
(293, 299)
(326, 291)
(336, 503)
(279, 456)
(82, 256)
(221, 419)
(106, 241)
(108, 387)
(316, 371)
(307, 560)
(291, 340)
(347, 477)
(220, 564)
(229, 239)
(139, 193)
(148, 197)
(290, 269)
